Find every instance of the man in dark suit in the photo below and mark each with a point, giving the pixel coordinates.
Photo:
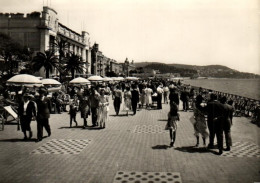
(43, 113)
(228, 115)
(94, 105)
(135, 98)
(215, 112)
(174, 96)
(26, 111)
(185, 99)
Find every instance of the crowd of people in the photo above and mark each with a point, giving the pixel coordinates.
(213, 111)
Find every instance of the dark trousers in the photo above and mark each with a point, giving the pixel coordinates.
(227, 132)
(40, 124)
(58, 107)
(228, 138)
(25, 123)
(134, 106)
(211, 132)
(94, 115)
(159, 101)
(185, 105)
(219, 133)
(218, 128)
(72, 118)
(117, 103)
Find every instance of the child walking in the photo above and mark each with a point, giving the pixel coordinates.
(173, 117)
(73, 110)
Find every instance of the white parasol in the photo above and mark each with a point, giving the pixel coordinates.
(115, 78)
(132, 78)
(107, 79)
(95, 78)
(24, 79)
(80, 81)
(50, 82)
(121, 78)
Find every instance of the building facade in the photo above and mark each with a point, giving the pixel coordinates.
(38, 31)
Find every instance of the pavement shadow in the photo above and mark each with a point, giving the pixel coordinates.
(192, 149)
(67, 127)
(92, 128)
(10, 123)
(160, 147)
(162, 120)
(18, 140)
(119, 115)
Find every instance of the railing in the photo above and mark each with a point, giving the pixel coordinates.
(243, 106)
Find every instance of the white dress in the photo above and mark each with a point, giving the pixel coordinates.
(103, 110)
(127, 100)
(148, 94)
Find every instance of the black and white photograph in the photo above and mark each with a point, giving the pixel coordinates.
(129, 91)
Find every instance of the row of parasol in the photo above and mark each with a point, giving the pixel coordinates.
(31, 81)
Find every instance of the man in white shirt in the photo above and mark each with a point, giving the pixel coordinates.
(26, 111)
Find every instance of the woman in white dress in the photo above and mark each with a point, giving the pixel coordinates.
(103, 109)
(148, 95)
(127, 99)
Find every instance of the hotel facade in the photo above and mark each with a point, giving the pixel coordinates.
(38, 31)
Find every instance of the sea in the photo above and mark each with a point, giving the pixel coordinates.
(249, 88)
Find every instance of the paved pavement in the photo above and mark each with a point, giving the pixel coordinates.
(129, 149)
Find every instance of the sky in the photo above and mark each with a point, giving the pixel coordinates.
(195, 32)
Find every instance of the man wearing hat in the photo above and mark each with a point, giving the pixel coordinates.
(43, 113)
(26, 111)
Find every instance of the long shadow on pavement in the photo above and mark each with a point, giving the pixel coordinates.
(67, 127)
(17, 140)
(192, 149)
(92, 128)
(162, 120)
(81, 127)
(119, 115)
(161, 147)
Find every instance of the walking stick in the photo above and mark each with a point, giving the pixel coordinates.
(18, 124)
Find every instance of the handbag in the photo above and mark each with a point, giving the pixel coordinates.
(167, 126)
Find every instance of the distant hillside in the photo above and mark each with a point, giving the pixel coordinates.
(218, 71)
(143, 64)
(164, 68)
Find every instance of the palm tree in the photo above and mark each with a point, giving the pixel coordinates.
(48, 60)
(61, 46)
(74, 63)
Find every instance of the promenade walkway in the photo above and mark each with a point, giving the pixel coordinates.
(130, 149)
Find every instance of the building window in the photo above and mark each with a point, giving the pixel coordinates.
(51, 43)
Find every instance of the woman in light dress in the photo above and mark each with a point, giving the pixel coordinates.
(103, 109)
(143, 97)
(166, 94)
(173, 117)
(127, 99)
(148, 97)
(200, 124)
